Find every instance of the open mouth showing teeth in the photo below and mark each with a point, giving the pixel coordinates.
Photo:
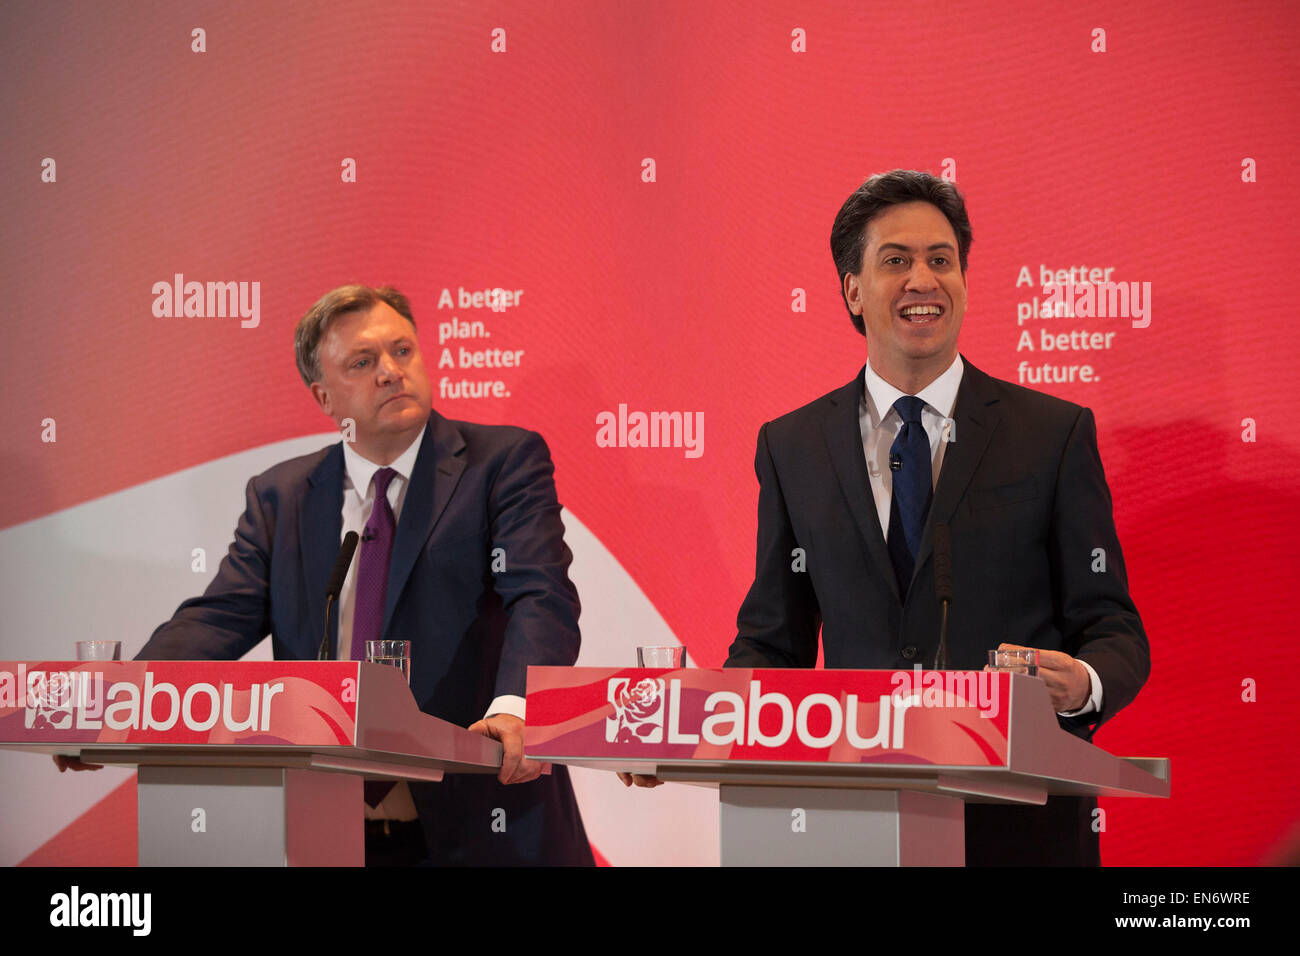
(921, 314)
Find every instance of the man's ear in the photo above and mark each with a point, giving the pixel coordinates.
(322, 396)
(853, 293)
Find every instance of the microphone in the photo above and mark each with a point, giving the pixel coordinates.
(341, 563)
(942, 541)
(895, 462)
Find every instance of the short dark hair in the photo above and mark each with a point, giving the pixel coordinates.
(849, 231)
(346, 298)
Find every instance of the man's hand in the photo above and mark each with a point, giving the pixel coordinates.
(639, 779)
(1067, 679)
(72, 763)
(515, 768)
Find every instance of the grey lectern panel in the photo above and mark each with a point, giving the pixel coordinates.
(807, 826)
(240, 816)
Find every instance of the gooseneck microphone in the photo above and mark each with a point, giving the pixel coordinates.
(942, 589)
(341, 563)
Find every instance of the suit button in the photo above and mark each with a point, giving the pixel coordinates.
(909, 651)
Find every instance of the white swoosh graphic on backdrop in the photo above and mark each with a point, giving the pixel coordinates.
(116, 567)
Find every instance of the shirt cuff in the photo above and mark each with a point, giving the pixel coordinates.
(513, 705)
(1092, 705)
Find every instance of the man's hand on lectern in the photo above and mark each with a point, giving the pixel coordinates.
(72, 763)
(515, 767)
(1067, 679)
(639, 779)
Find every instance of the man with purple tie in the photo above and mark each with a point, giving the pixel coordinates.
(463, 555)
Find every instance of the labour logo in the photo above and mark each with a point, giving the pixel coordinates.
(50, 699)
(638, 711)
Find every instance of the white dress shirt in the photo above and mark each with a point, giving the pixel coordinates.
(880, 424)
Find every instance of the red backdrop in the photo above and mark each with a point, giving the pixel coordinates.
(1169, 156)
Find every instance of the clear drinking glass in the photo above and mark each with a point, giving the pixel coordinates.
(393, 653)
(1022, 660)
(661, 655)
(99, 650)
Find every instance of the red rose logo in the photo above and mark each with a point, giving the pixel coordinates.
(638, 711)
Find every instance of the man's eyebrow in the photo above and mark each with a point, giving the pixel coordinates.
(370, 346)
(899, 245)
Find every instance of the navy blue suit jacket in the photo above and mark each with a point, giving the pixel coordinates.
(1025, 497)
(473, 632)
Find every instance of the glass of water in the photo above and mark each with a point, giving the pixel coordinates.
(393, 653)
(1020, 660)
(661, 655)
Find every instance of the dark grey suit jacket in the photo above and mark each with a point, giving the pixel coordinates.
(1024, 494)
(473, 631)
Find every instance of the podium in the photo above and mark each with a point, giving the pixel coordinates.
(240, 763)
(832, 767)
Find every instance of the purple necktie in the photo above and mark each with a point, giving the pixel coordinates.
(372, 572)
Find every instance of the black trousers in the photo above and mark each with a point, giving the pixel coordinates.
(472, 820)
(1059, 833)
(390, 843)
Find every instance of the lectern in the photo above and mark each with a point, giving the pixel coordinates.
(241, 763)
(830, 767)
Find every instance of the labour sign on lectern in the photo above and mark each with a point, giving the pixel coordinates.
(886, 758)
(240, 762)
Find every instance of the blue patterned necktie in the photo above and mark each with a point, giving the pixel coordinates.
(909, 460)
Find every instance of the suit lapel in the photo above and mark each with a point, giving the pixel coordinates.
(843, 432)
(437, 472)
(976, 414)
(319, 531)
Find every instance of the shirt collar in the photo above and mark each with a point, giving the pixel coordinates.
(940, 395)
(360, 470)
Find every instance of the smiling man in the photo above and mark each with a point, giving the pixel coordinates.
(858, 478)
(434, 500)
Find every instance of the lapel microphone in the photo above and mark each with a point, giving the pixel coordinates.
(895, 462)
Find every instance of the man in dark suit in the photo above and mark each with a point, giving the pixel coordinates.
(858, 478)
(470, 566)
